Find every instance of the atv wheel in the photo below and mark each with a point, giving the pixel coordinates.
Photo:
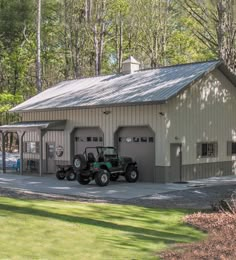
(114, 177)
(102, 178)
(131, 174)
(79, 162)
(70, 175)
(60, 175)
(83, 181)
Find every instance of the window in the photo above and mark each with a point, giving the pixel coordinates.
(151, 139)
(135, 139)
(100, 139)
(143, 139)
(31, 147)
(128, 139)
(79, 139)
(89, 139)
(95, 139)
(231, 148)
(205, 150)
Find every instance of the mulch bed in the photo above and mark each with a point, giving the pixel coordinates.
(220, 244)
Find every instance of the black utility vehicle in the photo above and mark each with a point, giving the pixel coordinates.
(65, 171)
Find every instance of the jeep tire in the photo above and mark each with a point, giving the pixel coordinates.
(79, 162)
(60, 175)
(131, 174)
(102, 178)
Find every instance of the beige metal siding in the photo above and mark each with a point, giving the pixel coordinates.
(50, 136)
(137, 115)
(56, 137)
(203, 113)
(33, 137)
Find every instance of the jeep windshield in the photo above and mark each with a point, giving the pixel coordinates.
(107, 150)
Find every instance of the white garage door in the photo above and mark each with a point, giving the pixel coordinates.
(87, 137)
(139, 143)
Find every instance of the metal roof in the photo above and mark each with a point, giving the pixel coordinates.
(155, 85)
(34, 125)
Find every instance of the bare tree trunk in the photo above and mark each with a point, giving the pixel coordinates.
(99, 30)
(86, 10)
(226, 32)
(96, 47)
(38, 58)
(120, 46)
(221, 29)
(117, 44)
(101, 46)
(77, 56)
(67, 63)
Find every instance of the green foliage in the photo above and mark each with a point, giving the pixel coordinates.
(183, 46)
(15, 17)
(7, 101)
(155, 32)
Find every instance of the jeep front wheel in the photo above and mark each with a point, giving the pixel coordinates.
(83, 181)
(131, 174)
(102, 178)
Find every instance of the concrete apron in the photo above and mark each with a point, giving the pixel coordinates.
(115, 190)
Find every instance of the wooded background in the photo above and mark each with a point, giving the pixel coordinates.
(81, 38)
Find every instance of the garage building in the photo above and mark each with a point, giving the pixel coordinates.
(177, 122)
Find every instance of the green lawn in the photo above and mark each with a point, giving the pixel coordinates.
(32, 229)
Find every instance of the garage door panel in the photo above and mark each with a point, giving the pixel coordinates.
(87, 137)
(139, 143)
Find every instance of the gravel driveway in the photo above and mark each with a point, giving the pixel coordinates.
(193, 198)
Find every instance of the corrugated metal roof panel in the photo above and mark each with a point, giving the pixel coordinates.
(155, 85)
(33, 125)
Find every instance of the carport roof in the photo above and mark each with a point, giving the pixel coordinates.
(34, 125)
(149, 86)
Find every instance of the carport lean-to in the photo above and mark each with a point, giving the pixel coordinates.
(40, 127)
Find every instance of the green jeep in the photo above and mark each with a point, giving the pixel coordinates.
(107, 166)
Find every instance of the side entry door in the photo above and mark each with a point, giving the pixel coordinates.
(176, 162)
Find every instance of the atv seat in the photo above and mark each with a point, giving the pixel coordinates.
(91, 158)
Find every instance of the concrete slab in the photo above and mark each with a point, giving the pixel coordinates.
(115, 190)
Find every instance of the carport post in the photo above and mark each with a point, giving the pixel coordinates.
(21, 137)
(3, 153)
(41, 134)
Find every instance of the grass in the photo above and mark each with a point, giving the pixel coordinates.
(32, 229)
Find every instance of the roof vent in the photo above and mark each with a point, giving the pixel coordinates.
(130, 65)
